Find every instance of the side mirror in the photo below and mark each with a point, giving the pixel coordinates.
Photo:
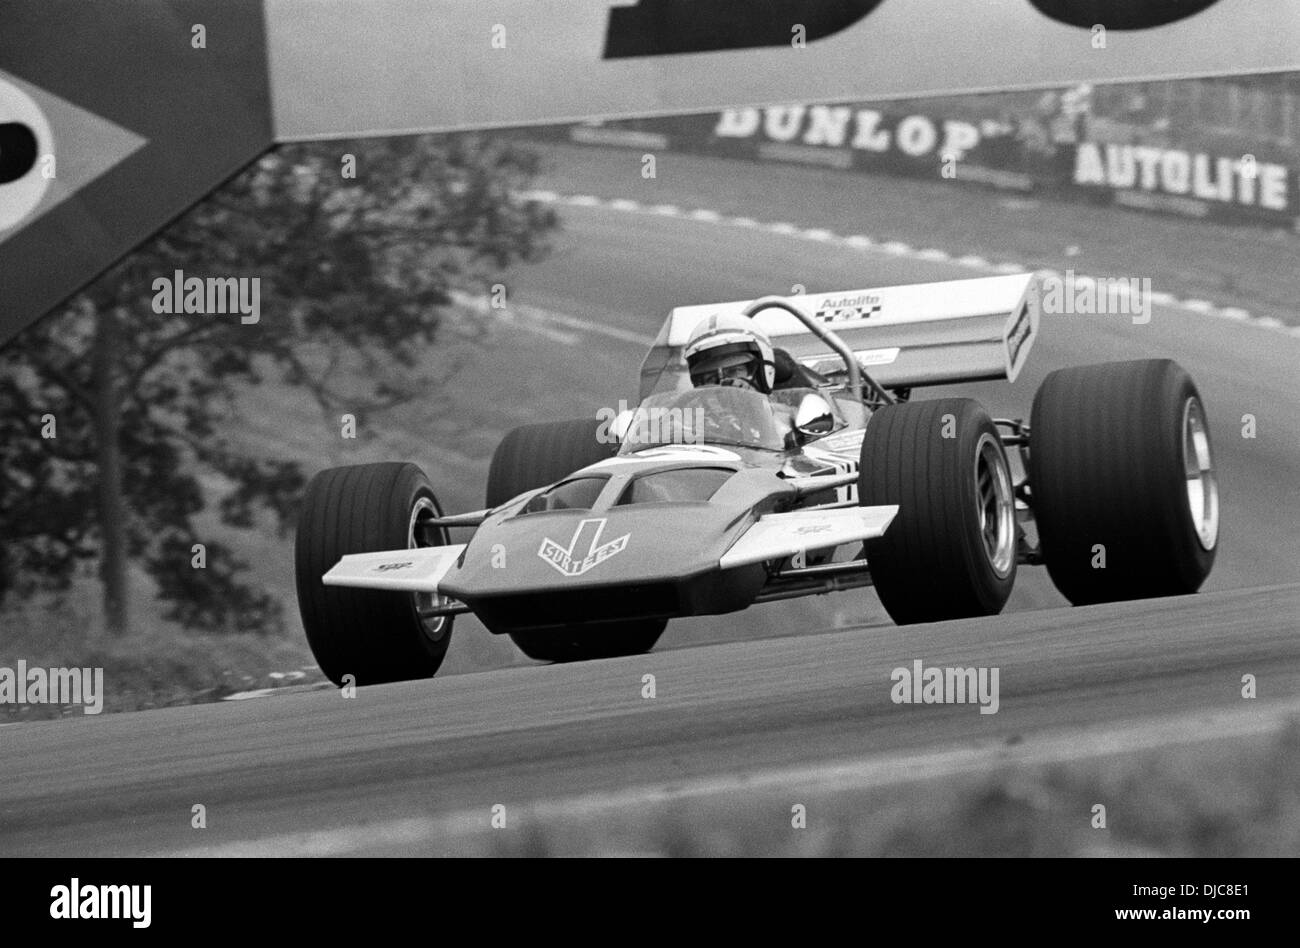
(814, 417)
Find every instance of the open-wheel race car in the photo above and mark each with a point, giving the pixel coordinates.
(709, 499)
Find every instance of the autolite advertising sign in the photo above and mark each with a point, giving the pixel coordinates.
(1189, 182)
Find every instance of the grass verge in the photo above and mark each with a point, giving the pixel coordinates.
(153, 667)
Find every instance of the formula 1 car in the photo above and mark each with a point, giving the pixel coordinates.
(701, 501)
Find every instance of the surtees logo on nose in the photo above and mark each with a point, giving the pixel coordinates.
(563, 558)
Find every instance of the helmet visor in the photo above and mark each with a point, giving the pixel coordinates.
(725, 369)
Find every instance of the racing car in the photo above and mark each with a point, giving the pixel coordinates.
(596, 532)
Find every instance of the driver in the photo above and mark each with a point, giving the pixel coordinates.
(728, 349)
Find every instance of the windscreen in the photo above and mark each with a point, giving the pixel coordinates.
(717, 415)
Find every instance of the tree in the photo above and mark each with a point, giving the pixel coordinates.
(112, 409)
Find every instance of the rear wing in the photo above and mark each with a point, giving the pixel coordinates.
(903, 336)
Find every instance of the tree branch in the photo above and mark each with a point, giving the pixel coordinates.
(68, 381)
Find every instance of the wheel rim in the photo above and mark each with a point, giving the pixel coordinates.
(434, 626)
(1198, 469)
(995, 505)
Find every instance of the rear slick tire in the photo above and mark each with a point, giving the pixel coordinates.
(1122, 481)
(533, 456)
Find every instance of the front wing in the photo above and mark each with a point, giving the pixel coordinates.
(771, 537)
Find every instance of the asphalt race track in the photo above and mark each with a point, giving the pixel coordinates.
(417, 767)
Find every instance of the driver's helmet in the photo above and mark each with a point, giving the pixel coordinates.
(728, 349)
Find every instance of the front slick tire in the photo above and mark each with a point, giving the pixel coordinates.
(366, 636)
(951, 551)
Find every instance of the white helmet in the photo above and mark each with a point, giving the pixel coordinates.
(720, 345)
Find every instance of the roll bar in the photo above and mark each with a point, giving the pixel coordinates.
(859, 381)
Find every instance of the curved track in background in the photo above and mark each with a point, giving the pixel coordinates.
(416, 767)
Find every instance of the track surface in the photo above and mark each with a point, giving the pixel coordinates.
(802, 695)
(311, 762)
